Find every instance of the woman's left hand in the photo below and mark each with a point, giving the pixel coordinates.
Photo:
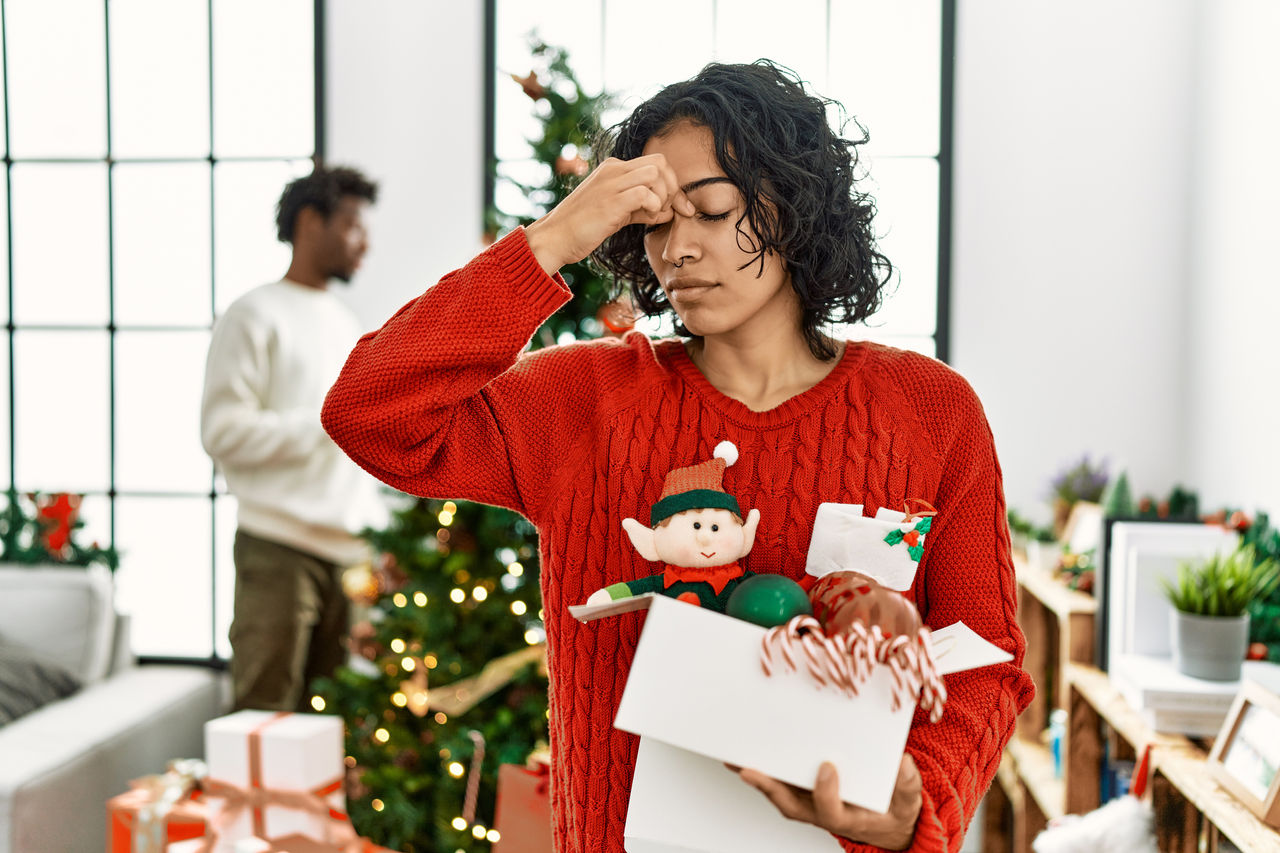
(822, 806)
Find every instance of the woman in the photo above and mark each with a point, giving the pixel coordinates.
(731, 202)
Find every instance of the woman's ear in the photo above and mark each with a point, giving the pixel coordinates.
(642, 538)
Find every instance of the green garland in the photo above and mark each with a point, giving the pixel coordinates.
(39, 530)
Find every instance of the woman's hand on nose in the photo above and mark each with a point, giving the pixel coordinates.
(618, 193)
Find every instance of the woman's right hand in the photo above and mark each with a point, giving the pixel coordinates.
(618, 193)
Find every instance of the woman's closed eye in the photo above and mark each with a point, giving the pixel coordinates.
(702, 217)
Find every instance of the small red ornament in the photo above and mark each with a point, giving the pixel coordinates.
(363, 641)
(618, 316)
(531, 86)
(1238, 521)
(1257, 651)
(841, 598)
(574, 165)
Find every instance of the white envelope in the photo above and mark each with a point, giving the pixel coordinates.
(846, 540)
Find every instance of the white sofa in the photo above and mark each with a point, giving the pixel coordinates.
(60, 763)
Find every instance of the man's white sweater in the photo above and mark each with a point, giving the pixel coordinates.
(273, 356)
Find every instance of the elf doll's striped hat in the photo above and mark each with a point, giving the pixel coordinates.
(697, 487)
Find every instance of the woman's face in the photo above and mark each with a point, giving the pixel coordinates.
(707, 268)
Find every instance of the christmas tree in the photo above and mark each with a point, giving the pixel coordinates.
(454, 682)
(570, 119)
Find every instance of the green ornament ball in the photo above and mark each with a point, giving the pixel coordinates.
(768, 600)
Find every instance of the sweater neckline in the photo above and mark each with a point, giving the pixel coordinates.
(786, 411)
(299, 287)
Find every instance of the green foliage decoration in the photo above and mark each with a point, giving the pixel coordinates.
(1117, 500)
(1022, 526)
(41, 529)
(1223, 585)
(1264, 627)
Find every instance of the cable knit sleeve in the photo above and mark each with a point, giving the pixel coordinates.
(967, 575)
(440, 402)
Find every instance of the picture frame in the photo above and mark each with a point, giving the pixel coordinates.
(1245, 758)
(1083, 530)
(1132, 611)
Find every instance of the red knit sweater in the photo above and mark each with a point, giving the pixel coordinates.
(441, 402)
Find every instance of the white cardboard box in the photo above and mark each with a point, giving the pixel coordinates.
(299, 752)
(696, 684)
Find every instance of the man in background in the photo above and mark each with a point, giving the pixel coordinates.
(272, 358)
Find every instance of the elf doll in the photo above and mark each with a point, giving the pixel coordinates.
(697, 532)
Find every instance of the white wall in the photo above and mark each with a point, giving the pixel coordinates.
(405, 103)
(1233, 414)
(1071, 224)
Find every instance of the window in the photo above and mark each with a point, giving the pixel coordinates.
(145, 143)
(888, 63)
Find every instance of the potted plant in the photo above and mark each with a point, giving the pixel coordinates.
(1037, 542)
(1210, 620)
(1082, 481)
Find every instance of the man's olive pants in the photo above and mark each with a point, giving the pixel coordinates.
(289, 625)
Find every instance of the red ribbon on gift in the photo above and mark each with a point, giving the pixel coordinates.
(926, 509)
(258, 798)
(540, 770)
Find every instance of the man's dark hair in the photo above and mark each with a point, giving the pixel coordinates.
(797, 176)
(321, 190)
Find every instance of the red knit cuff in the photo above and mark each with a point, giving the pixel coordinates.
(536, 289)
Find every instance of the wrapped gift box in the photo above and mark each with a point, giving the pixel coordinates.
(523, 813)
(274, 774)
(696, 686)
(127, 823)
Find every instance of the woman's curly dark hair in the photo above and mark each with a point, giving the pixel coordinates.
(797, 176)
(322, 190)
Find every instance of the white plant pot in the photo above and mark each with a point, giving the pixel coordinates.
(1210, 647)
(1043, 555)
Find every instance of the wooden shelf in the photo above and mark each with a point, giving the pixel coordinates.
(1096, 687)
(1058, 624)
(1191, 810)
(1188, 802)
(1050, 592)
(1034, 765)
(1187, 774)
